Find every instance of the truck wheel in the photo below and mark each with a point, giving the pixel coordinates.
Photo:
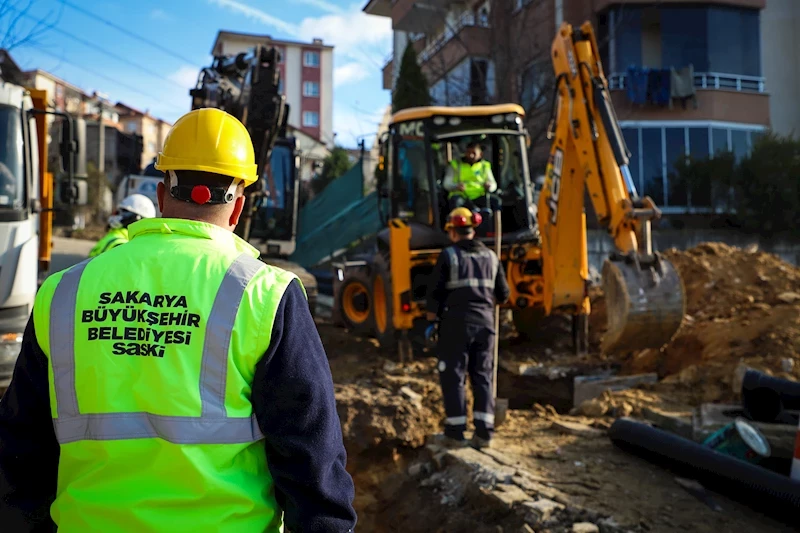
(528, 321)
(383, 306)
(355, 303)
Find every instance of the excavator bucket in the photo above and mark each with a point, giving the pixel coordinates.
(645, 303)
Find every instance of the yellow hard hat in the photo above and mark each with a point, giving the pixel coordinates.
(209, 140)
(461, 217)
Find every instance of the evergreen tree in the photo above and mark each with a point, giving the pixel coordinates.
(335, 165)
(412, 86)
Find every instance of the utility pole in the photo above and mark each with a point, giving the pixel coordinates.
(101, 156)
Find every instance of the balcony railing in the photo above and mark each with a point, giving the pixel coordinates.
(707, 80)
(467, 19)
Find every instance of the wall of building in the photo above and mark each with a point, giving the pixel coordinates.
(780, 60)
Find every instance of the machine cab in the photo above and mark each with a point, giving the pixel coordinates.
(425, 145)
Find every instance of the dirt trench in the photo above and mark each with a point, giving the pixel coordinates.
(538, 478)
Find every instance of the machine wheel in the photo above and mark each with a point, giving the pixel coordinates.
(355, 303)
(383, 305)
(528, 321)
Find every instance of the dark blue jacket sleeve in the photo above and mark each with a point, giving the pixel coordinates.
(28, 447)
(437, 286)
(294, 403)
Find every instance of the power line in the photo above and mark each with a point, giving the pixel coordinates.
(126, 31)
(102, 76)
(104, 51)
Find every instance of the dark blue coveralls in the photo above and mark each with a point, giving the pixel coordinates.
(466, 282)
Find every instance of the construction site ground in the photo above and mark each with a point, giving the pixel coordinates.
(552, 469)
(555, 469)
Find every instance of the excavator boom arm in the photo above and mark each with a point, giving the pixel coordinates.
(644, 294)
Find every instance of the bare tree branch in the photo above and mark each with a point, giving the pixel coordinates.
(12, 12)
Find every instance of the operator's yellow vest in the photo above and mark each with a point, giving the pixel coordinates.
(112, 239)
(152, 352)
(472, 176)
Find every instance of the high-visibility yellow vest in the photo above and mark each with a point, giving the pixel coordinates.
(472, 176)
(152, 353)
(112, 239)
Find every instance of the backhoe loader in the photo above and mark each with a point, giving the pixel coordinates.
(381, 290)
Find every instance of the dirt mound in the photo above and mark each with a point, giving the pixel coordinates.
(743, 309)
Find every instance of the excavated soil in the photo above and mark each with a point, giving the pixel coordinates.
(743, 311)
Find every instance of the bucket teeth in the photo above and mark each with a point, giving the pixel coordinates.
(645, 305)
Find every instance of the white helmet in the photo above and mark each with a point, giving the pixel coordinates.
(139, 204)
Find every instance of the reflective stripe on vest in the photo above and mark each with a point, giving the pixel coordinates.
(454, 282)
(472, 177)
(212, 427)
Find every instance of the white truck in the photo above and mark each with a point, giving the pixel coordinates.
(27, 194)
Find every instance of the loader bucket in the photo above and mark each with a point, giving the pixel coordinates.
(645, 304)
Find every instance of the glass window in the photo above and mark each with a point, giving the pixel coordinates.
(12, 178)
(719, 140)
(411, 182)
(739, 142)
(631, 136)
(311, 89)
(698, 143)
(739, 52)
(652, 171)
(684, 37)
(310, 118)
(311, 59)
(676, 151)
(628, 36)
(532, 82)
(699, 183)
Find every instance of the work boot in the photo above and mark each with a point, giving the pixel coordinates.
(478, 442)
(442, 440)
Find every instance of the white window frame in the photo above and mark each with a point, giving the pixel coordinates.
(310, 94)
(640, 125)
(306, 115)
(306, 56)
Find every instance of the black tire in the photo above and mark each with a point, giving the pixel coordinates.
(354, 304)
(381, 287)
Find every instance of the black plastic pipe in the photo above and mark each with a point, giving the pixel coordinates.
(772, 494)
(764, 398)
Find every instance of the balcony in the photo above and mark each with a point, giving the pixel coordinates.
(467, 37)
(380, 8)
(388, 75)
(601, 5)
(707, 80)
(720, 97)
(417, 16)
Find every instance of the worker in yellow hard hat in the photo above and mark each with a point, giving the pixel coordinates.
(467, 282)
(178, 382)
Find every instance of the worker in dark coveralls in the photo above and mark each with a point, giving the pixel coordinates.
(466, 284)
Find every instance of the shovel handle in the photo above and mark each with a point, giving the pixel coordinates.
(498, 237)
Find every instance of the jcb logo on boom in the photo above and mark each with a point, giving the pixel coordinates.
(411, 129)
(555, 185)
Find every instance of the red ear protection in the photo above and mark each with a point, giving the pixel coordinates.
(476, 219)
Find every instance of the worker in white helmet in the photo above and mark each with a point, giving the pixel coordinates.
(132, 208)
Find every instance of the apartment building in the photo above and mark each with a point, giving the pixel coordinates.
(722, 53)
(306, 78)
(153, 130)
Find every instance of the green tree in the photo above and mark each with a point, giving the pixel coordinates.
(336, 164)
(412, 86)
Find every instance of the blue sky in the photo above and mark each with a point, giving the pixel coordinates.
(160, 81)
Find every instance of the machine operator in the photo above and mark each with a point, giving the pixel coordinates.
(131, 209)
(179, 383)
(470, 181)
(466, 284)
